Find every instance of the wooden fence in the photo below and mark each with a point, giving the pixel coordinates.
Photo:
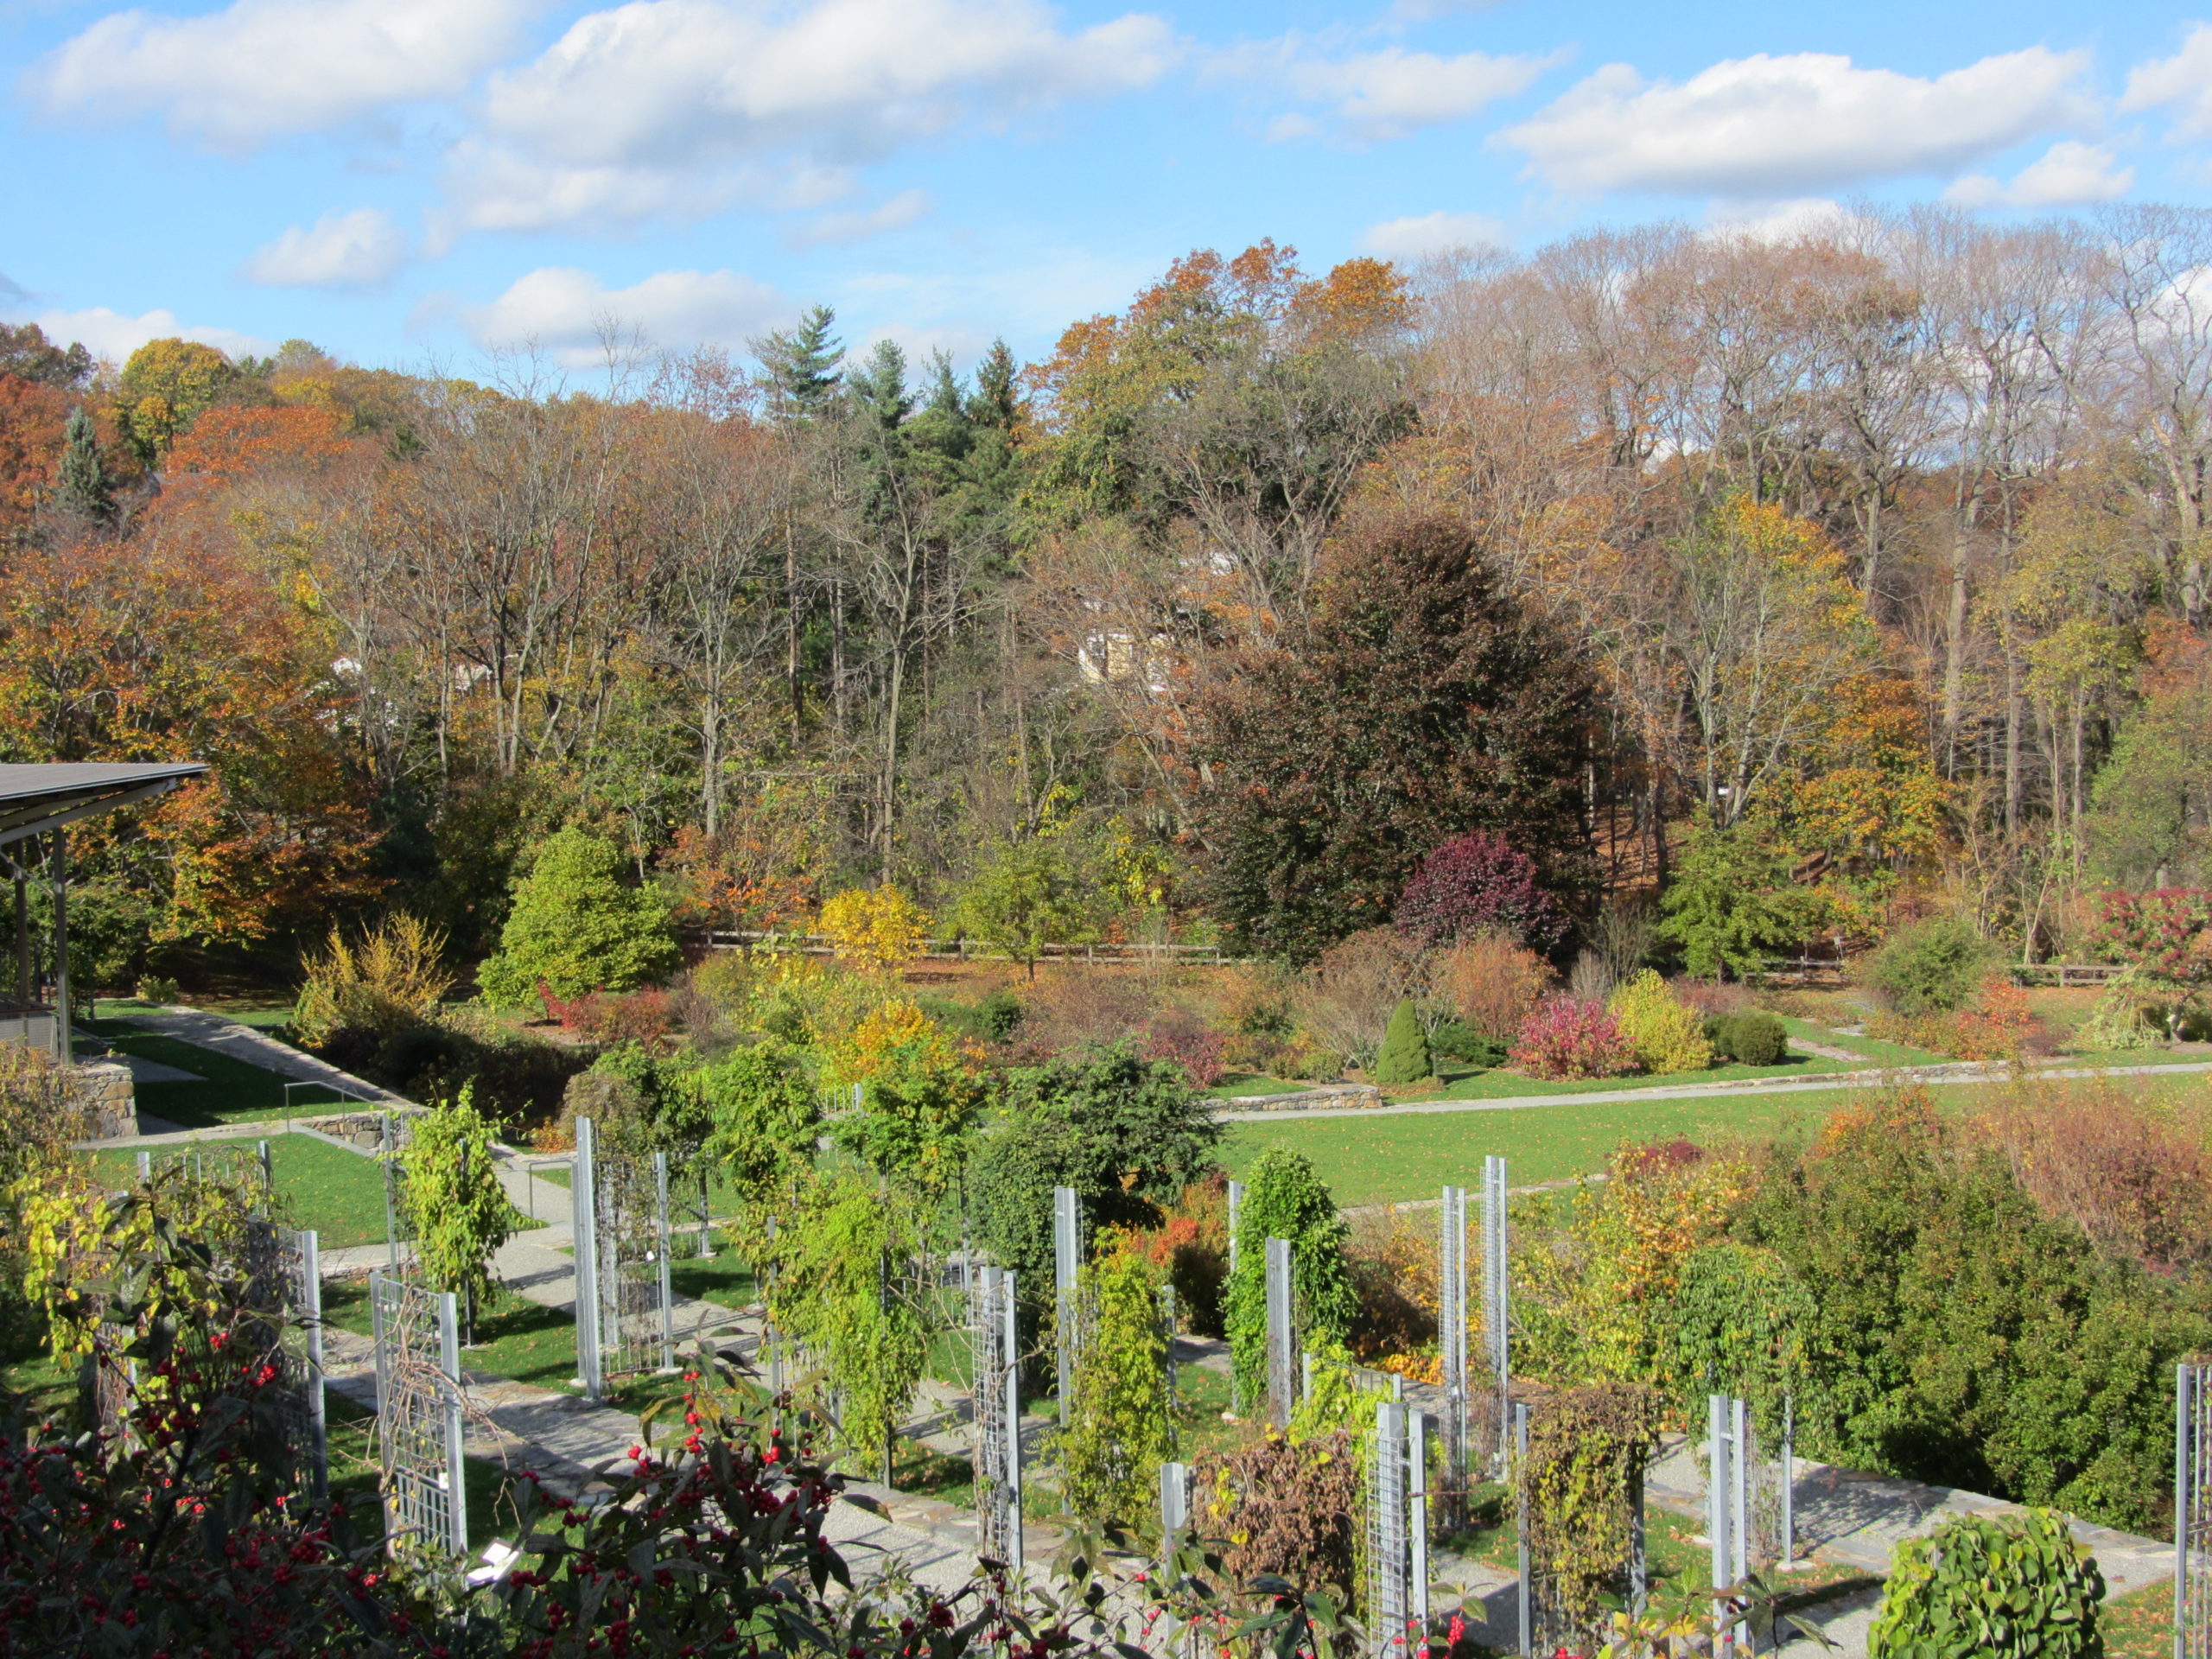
(1825, 971)
(818, 944)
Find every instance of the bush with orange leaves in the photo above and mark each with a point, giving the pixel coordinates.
(1395, 1273)
(1996, 1026)
(1190, 1247)
(1494, 984)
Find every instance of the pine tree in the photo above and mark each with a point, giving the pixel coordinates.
(83, 491)
(995, 402)
(1404, 1057)
(804, 366)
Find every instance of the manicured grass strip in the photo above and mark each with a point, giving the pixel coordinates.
(338, 1193)
(1869, 1048)
(1376, 1160)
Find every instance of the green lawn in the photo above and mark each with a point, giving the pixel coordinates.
(1378, 1158)
(1869, 1048)
(338, 1193)
(1239, 1085)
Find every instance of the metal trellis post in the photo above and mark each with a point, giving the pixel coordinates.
(1281, 1338)
(449, 1363)
(1496, 1297)
(390, 1176)
(584, 1241)
(1236, 1208)
(1066, 1258)
(667, 1291)
(1526, 1629)
(1452, 1343)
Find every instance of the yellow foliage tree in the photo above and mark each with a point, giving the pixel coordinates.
(880, 926)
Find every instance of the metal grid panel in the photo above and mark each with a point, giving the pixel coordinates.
(1497, 1312)
(1067, 1260)
(2192, 1512)
(1388, 1532)
(1546, 1624)
(1451, 1344)
(419, 1415)
(995, 1402)
(284, 1276)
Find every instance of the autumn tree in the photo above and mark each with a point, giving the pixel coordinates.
(1420, 701)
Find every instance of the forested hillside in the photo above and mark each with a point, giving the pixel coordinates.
(1850, 576)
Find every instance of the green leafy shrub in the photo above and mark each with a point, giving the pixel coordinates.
(1932, 967)
(1285, 1198)
(1986, 1586)
(765, 1114)
(1732, 903)
(1404, 1055)
(1455, 1040)
(577, 926)
(1962, 1337)
(1085, 1119)
(1750, 1037)
(1664, 1033)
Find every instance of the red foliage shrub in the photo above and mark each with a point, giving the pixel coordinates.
(1996, 1026)
(2167, 934)
(649, 1017)
(1191, 1247)
(2134, 1175)
(1567, 1038)
(1660, 1158)
(1179, 1035)
(1477, 883)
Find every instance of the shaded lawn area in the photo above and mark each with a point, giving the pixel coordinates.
(1376, 1159)
(1240, 1085)
(230, 1091)
(338, 1193)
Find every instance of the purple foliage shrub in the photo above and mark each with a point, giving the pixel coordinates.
(1475, 884)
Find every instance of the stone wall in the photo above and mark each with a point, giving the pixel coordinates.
(108, 1094)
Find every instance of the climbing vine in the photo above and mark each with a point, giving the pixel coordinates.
(844, 1288)
(1586, 1448)
(455, 1207)
(1285, 1198)
(1119, 1428)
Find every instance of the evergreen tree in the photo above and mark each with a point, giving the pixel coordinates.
(996, 403)
(1404, 1057)
(804, 366)
(83, 491)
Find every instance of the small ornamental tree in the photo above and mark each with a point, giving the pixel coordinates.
(2165, 937)
(1731, 904)
(1476, 884)
(1404, 1056)
(1932, 967)
(1030, 893)
(1285, 1198)
(879, 927)
(1665, 1033)
(764, 1112)
(455, 1208)
(577, 927)
(1118, 1432)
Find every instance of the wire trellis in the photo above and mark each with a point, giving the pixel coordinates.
(996, 1405)
(419, 1407)
(2193, 1512)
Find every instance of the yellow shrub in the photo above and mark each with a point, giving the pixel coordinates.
(1666, 1033)
(391, 977)
(881, 927)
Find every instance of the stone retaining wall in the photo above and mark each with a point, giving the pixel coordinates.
(1299, 1100)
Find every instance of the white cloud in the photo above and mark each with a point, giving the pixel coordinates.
(2069, 174)
(111, 334)
(259, 69)
(356, 250)
(1389, 93)
(1779, 222)
(897, 213)
(681, 107)
(1767, 127)
(1437, 232)
(565, 311)
(2184, 79)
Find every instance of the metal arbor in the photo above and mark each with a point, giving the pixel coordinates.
(419, 1415)
(625, 1305)
(997, 1404)
(1067, 1265)
(1497, 1311)
(1547, 1623)
(2193, 1512)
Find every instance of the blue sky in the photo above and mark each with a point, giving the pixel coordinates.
(416, 182)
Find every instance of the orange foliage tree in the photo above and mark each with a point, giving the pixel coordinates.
(161, 649)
